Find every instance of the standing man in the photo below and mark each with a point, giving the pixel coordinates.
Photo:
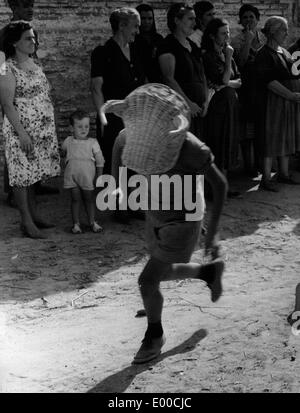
(21, 10)
(205, 12)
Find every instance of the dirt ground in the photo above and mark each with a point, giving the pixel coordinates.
(68, 305)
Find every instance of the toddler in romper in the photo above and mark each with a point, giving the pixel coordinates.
(84, 163)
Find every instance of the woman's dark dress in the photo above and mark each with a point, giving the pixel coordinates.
(189, 74)
(277, 119)
(120, 77)
(222, 120)
(147, 47)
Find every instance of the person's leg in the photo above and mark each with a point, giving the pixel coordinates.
(38, 221)
(89, 203)
(156, 271)
(266, 182)
(21, 196)
(75, 209)
(283, 165)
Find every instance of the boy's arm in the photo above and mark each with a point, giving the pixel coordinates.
(219, 186)
(117, 155)
(99, 159)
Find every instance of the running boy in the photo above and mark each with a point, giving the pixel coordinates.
(84, 163)
(150, 146)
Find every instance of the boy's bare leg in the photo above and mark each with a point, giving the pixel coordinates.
(88, 197)
(156, 271)
(75, 205)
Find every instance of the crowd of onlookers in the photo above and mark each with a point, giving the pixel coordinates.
(242, 93)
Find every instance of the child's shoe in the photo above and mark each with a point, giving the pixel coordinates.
(76, 229)
(96, 227)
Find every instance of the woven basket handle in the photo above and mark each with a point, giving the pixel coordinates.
(183, 125)
(112, 106)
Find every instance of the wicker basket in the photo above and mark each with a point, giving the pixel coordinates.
(156, 121)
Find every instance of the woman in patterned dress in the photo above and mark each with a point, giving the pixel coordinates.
(31, 147)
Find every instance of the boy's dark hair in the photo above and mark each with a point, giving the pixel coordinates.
(79, 114)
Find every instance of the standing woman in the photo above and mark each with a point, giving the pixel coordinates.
(116, 70)
(181, 64)
(222, 121)
(277, 104)
(31, 147)
(246, 44)
(147, 42)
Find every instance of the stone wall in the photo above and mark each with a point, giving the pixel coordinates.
(69, 30)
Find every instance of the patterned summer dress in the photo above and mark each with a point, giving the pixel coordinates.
(33, 104)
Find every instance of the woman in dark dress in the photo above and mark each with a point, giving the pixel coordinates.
(277, 104)
(246, 44)
(116, 70)
(147, 43)
(181, 64)
(222, 121)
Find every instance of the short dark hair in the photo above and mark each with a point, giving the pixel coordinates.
(79, 114)
(212, 30)
(146, 7)
(248, 7)
(202, 7)
(12, 33)
(177, 10)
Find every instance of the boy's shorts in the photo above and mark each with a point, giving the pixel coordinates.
(171, 242)
(80, 174)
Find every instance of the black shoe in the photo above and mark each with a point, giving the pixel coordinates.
(149, 350)
(45, 189)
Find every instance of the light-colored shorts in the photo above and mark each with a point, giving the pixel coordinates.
(80, 174)
(171, 242)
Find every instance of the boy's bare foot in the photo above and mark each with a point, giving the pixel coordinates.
(149, 350)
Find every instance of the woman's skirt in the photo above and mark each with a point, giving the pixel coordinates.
(282, 129)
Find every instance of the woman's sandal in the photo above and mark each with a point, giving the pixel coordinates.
(96, 228)
(76, 229)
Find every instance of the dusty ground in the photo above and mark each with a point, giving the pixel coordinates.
(241, 344)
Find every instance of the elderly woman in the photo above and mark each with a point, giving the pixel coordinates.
(222, 121)
(31, 148)
(246, 44)
(116, 70)
(277, 103)
(147, 42)
(181, 63)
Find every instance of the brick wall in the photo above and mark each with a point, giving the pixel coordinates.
(69, 30)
